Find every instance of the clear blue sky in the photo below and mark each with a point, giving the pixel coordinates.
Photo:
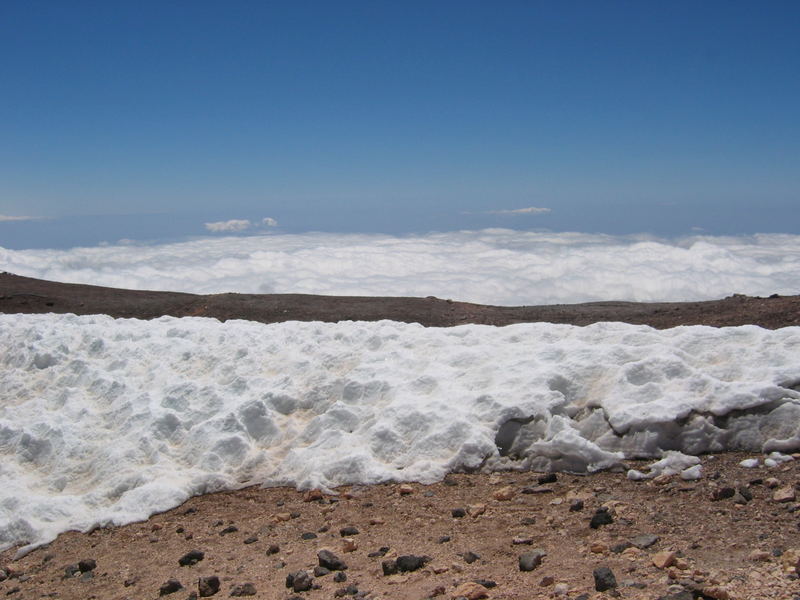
(401, 115)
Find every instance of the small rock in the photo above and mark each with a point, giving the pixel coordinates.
(620, 547)
(273, 549)
(87, 565)
(645, 540)
(330, 561)
(300, 581)
(340, 577)
(722, 493)
(405, 489)
(349, 545)
(716, 592)
(538, 489)
(470, 557)
(604, 579)
(191, 558)
(504, 494)
(312, 496)
(229, 529)
(243, 589)
(598, 548)
(170, 587)
(321, 571)
(664, 559)
(443, 540)
(576, 505)
(470, 590)
(457, 513)
(251, 540)
(522, 541)
(475, 510)
(760, 555)
(784, 494)
(389, 567)
(530, 560)
(600, 518)
(411, 562)
(208, 586)
(308, 535)
(547, 478)
(348, 531)
(772, 483)
(450, 480)
(547, 581)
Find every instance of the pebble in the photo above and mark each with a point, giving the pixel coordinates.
(530, 560)
(321, 571)
(470, 557)
(458, 513)
(604, 579)
(170, 587)
(547, 478)
(191, 558)
(273, 549)
(208, 586)
(348, 531)
(784, 494)
(349, 545)
(722, 493)
(243, 589)
(600, 518)
(86, 565)
(405, 489)
(251, 540)
(340, 577)
(330, 561)
(504, 494)
(476, 510)
(645, 540)
(312, 496)
(664, 559)
(410, 562)
(522, 541)
(308, 535)
(576, 505)
(470, 590)
(299, 581)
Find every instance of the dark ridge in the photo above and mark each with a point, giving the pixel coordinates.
(27, 295)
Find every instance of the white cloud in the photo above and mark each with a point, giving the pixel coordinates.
(495, 266)
(232, 225)
(530, 210)
(15, 218)
(269, 222)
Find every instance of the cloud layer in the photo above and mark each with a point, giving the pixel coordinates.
(16, 218)
(530, 210)
(235, 225)
(495, 266)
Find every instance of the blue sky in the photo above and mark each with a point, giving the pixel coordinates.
(148, 119)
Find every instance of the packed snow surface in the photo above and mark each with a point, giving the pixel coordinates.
(108, 421)
(494, 266)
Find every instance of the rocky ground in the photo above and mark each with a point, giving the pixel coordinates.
(734, 533)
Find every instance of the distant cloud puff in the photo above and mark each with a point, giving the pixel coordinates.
(239, 225)
(232, 225)
(530, 210)
(12, 218)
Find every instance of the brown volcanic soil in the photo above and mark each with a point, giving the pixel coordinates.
(725, 545)
(26, 295)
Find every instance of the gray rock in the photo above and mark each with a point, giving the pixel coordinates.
(299, 581)
(458, 513)
(604, 579)
(470, 557)
(547, 478)
(530, 560)
(273, 549)
(170, 587)
(348, 531)
(410, 562)
(191, 558)
(645, 540)
(340, 577)
(576, 505)
(389, 567)
(251, 540)
(244, 589)
(208, 586)
(600, 518)
(330, 561)
(321, 571)
(308, 535)
(87, 564)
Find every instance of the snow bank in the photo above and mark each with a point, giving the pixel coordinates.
(108, 421)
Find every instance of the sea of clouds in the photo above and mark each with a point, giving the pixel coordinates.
(495, 266)
(109, 421)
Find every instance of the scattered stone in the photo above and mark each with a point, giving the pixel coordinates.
(411, 562)
(379, 552)
(405, 489)
(208, 586)
(457, 513)
(598, 548)
(784, 494)
(71, 570)
(522, 541)
(349, 545)
(251, 540)
(273, 549)
(389, 567)
(470, 557)
(760, 555)
(475, 510)
(547, 581)
(682, 595)
(601, 517)
(620, 547)
(170, 587)
(191, 558)
(3, 575)
(86, 565)
(528, 521)
(308, 535)
(576, 505)
(229, 529)
(340, 577)
(299, 581)
(645, 540)
(244, 589)
(504, 494)
(716, 592)
(470, 590)
(664, 559)
(321, 571)
(547, 478)
(450, 480)
(539, 489)
(772, 483)
(444, 539)
(330, 561)
(312, 496)
(604, 579)
(530, 560)
(722, 493)
(348, 531)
